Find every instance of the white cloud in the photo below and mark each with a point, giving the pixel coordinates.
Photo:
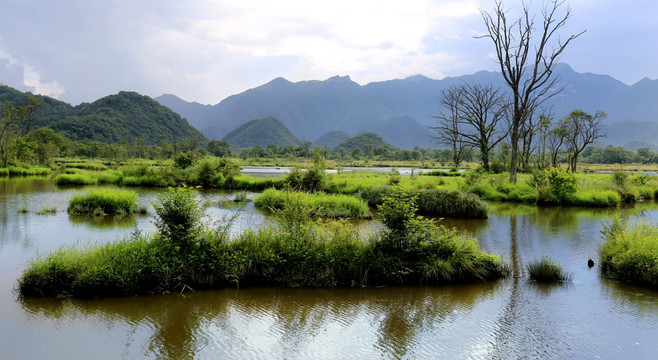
(205, 50)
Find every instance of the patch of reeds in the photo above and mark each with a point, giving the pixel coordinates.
(24, 171)
(75, 179)
(451, 203)
(103, 202)
(545, 270)
(630, 253)
(47, 210)
(320, 204)
(87, 166)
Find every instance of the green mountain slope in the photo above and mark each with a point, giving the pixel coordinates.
(332, 138)
(112, 119)
(365, 141)
(262, 132)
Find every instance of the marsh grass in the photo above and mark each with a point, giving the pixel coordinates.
(545, 270)
(103, 202)
(630, 253)
(320, 204)
(75, 179)
(433, 201)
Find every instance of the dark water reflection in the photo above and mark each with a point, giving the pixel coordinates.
(588, 318)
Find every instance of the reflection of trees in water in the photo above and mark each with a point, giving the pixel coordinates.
(276, 322)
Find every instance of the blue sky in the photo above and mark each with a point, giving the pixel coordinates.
(204, 51)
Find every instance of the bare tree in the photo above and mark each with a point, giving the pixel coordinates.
(481, 113)
(580, 130)
(527, 55)
(447, 130)
(554, 141)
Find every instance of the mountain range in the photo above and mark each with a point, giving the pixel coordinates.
(400, 110)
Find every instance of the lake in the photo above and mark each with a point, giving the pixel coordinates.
(591, 317)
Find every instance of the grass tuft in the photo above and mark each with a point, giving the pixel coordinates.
(545, 270)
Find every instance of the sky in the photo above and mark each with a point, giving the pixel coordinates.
(206, 50)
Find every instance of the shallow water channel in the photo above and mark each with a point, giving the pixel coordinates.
(589, 318)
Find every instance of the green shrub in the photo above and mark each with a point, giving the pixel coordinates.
(620, 178)
(562, 184)
(179, 216)
(103, 201)
(394, 177)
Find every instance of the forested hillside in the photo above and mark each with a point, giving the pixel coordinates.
(113, 119)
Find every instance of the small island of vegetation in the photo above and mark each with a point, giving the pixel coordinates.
(185, 254)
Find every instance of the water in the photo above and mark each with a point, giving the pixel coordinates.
(514, 318)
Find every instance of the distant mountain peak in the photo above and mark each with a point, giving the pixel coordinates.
(417, 78)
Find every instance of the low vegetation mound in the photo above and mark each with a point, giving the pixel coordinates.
(545, 270)
(103, 202)
(317, 204)
(630, 253)
(186, 254)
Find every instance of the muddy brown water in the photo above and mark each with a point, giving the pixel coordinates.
(589, 318)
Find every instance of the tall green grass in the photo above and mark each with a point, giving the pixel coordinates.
(103, 201)
(630, 253)
(75, 179)
(319, 204)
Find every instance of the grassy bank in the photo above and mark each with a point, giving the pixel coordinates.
(299, 252)
(630, 253)
(103, 202)
(317, 204)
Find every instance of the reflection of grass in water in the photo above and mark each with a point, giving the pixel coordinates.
(397, 316)
(105, 222)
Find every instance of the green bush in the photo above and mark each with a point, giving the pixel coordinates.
(102, 202)
(562, 184)
(179, 216)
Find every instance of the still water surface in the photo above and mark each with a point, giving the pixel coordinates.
(589, 318)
